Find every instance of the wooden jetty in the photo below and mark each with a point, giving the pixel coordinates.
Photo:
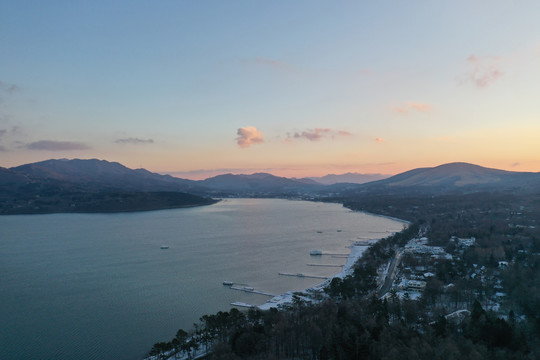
(249, 289)
(302, 275)
(325, 265)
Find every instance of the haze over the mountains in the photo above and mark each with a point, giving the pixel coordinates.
(98, 185)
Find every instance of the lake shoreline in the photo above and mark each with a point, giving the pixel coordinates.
(356, 252)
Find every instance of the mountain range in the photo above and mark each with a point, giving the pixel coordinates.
(98, 185)
(350, 178)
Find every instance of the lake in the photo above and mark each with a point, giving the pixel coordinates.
(99, 286)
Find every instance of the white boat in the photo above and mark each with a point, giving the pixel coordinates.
(315, 252)
(248, 288)
(228, 283)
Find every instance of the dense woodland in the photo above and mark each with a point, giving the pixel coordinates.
(351, 322)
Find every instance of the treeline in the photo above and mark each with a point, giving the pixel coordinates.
(356, 329)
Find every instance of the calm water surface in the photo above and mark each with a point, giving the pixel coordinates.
(98, 286)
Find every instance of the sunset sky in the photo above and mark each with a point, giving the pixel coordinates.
(295, 88)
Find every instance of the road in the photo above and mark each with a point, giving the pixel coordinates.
(390, 275)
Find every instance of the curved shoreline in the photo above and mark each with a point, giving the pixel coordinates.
(354, 255)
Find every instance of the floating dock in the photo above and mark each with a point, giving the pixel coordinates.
(249, 289)
(242, 304)
(301, 275)
(325, 265)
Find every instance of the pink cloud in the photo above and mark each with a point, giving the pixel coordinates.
(485, 70)
(312, 135)
(248, 136)
(317, 134)
(379, 140)
(409, 107)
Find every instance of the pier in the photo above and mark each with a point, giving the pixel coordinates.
(304, 276)
(325, 265)
(242, 304)
(251, 290)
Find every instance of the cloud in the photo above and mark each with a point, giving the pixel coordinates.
(485, 70)
(312, 135)
(248, 136)
(408, 107)
(135, 141)
(9, 88)
(51, 145)
(6, 133)
(379, 140)
(316, 134)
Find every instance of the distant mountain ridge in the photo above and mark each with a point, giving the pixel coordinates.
(458, 176)
(350, 178)
(258, 182)
(102, 173)
(93, 185)
(113, 175)
(59, 185)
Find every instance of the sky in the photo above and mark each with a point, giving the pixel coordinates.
(294, 88)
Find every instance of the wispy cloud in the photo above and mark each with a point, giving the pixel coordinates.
(485, 70)
(312, 135)
(134, 141)
(52, 145)
(379, 140)
(6, 134)
(248, 136)
(9, 88)
(316, 134)
(409, 107)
